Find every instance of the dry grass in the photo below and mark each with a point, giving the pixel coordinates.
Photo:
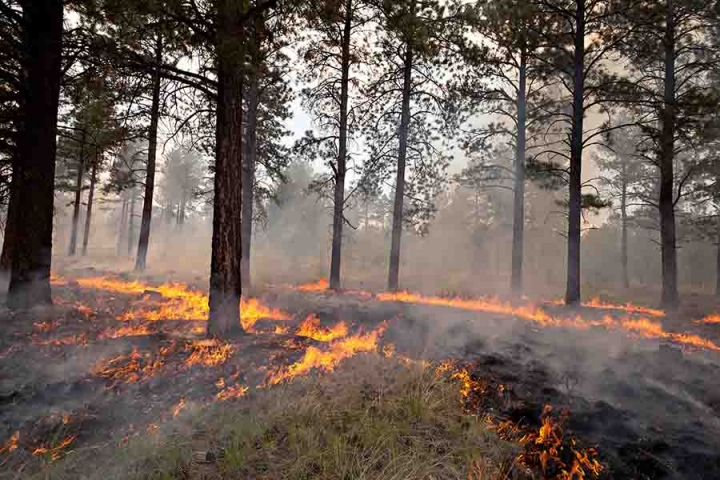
(374, 418)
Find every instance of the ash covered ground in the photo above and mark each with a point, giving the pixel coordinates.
(116, 359)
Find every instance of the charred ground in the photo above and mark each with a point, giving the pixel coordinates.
(93, 371)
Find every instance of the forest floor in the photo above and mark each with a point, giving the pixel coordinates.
(117, 380)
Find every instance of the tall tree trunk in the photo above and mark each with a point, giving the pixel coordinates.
(225, 280)
(572, 291)
(250, 157)
(624, 225)
(72, 249)
(394, 271)
(123, 223)
(339, 194)
(144, 239)
(516, 276)
(88, 212)
(168, 213)
(32, 253)
(181, 210)
(717, 262)
(131, 221)
(9, 236)
(667, 156)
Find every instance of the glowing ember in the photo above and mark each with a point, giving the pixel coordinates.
(208, 353)
(56, 451)
(327, 360)
(628, 307)
(319, 286)
(80, 339)
(44, 326)
(11, 444)
(178, 408)
(311, 328)
(127, 331)
(130, 368)
(57, 280)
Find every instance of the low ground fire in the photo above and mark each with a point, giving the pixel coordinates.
(162, 365)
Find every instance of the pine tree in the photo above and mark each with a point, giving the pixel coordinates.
(36, 148)
(407, 100)
(671, 55)
(506, 79)
(334, 55)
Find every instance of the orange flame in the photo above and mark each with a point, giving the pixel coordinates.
(327, 360)
(180, 302)
(11, 444)
(130, 368)
(236, 391)
(55, 452)
(319, 286)
(208, 352)
(628, 307)
(311, 328)
(127, 331)
(643, 327)
(711, 319)
(251, 310)
(178, 408)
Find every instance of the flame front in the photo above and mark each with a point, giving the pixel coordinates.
(711, 319)
(209, 353)
(319, 286)
(643, 327)
(327, 360)
(179, 302)
(628, 307)
(311, 328)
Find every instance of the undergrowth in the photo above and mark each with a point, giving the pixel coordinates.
(373, 418)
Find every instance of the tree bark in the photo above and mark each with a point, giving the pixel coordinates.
(249, 159)
(88, 212)
(181, 210)
(131, 221)
(340, 171)
(32, 254)
(667, 156)
(394, 271)
(144, 239)
(9, 238)
(624, 225)
(225, 279)
(516, 276)
(123, 222)
(572, 291)
(72, 249)
(717, 262)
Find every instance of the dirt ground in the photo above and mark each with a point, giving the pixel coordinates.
(70, 379)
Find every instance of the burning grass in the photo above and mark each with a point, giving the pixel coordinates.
(311, 328)
(321, 285)
(330, 358)
(372, 418)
